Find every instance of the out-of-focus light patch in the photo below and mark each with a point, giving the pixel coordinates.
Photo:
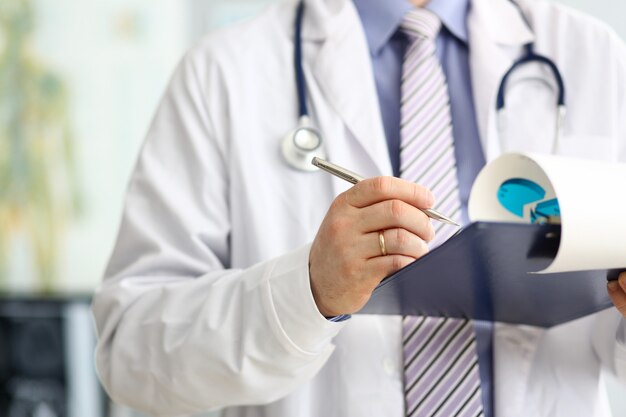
(128, 25)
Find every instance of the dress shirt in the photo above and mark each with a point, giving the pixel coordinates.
(381, 20)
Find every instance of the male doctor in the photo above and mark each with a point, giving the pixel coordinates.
(234, 276)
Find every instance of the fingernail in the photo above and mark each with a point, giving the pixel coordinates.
(613, 285)
(432, 199)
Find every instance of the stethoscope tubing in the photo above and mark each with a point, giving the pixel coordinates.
(530, 57)
(300, 81)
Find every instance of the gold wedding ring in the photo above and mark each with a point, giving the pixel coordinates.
(381, 243)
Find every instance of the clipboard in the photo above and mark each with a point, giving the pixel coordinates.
(485, 273)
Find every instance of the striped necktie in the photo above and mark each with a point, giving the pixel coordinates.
(441, 375)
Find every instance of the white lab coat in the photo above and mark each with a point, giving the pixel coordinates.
(206, 302)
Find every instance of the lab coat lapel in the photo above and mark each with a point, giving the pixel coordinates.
(343, 71)
(497, 34)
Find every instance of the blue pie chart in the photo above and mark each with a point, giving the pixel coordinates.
(515, 193)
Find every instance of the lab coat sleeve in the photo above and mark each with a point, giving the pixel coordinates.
(179, 332)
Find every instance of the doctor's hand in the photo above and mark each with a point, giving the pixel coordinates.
(347, 262)
(617, 292)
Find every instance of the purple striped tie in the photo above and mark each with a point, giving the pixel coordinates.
(440, 363)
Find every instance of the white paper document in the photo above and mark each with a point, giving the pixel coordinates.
(588, 196)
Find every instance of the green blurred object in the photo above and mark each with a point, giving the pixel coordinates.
(38, 185)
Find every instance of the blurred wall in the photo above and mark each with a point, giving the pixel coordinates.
(113, 60)
(610, 11)
(117, 58)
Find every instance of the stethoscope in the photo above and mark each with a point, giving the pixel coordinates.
(305, 142)
(302, 144)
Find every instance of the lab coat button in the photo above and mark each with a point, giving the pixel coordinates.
(388, 366)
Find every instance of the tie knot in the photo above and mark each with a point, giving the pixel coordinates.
(421, 23)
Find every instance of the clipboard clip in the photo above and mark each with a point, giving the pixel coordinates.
(613, 274)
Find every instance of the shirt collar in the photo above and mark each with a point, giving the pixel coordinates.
(381, 18)
(453, 15)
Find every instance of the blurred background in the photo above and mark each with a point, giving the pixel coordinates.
(79, 82)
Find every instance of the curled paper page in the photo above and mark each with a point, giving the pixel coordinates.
(591, 203)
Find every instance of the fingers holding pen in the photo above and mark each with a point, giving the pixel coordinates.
(388, 202)
(392, 214)
(378, 189)
(347, 258)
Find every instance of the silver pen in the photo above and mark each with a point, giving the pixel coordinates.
(353, 178)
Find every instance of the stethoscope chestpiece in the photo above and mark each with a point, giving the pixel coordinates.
(301, 145)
